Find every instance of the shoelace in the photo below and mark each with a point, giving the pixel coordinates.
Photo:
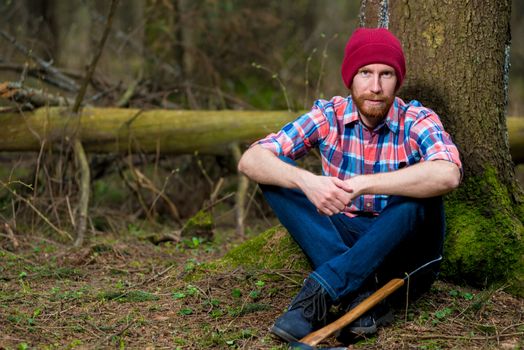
(314, 304)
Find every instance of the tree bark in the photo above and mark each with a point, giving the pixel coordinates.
(457, 55)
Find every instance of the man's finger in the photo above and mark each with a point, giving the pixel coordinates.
(325, 211)
(342, 184)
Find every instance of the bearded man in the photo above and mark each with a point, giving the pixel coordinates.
(376, 211)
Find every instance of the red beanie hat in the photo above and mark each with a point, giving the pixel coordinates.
(368, 46)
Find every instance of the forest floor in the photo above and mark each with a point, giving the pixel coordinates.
(122, 291)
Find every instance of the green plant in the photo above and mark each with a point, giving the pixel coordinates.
(236, 293)
(134, 296)
(465, 295)
(22, 346)
(442, 314)
(186, 311)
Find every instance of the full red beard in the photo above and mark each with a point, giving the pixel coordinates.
(373, 112)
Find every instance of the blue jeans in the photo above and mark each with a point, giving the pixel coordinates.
(348, 253)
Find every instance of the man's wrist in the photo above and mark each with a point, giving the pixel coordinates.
(361, 184)
(300, 178)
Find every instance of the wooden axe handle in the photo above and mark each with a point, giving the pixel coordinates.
(375, 298)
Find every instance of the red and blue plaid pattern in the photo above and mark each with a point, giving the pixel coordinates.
(409, 134)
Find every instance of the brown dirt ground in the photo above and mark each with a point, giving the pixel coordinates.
(125, 292)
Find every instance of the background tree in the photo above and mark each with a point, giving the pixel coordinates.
(458, 64)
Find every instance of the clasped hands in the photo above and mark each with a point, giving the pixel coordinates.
(330, 195)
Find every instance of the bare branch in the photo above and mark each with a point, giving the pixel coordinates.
(85, 173)
(62, 81)
(38, 212)
(96, 57)
(15, 92)
(243, 185)
(41, 74)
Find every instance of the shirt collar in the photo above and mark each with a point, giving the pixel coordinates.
(391, 120)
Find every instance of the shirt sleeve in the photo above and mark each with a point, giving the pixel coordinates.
(433, 143)
(295, 139)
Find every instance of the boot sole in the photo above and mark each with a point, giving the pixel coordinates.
(282, 334)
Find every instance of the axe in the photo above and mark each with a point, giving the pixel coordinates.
(310, 341)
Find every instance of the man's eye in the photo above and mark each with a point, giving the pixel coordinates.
(364, 72)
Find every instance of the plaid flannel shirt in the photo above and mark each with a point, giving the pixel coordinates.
(409, 134)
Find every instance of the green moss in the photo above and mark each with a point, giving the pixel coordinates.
(200, 225)
(134, 296)
(272, 249)
(484, 233)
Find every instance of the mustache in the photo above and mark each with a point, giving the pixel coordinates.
(374, 97)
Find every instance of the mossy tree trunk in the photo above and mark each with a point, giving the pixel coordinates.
(457, 56)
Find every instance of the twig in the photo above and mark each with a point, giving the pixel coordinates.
(260, 209)
(277, 78)
(465, 337)
(203, 171)
(216, 190)
(128, 39)
(84, 189)
(251, 199)
(23, 74)
(14, 91)
(323, 62)
(211, 205)
(144, 182)
(116, 334)
(59, 231)
(512, 326)
(149, 280)
(38, 73)
(135, 190)
(130, 91)
(157, 160)
(306, 80)
(63, 81)
(94, 61)
(298, 283)
(54, 203)
(11, 236)
(243, 185)
(70, 211)
(38, 163)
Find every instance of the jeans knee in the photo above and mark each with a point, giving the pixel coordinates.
(276, 195)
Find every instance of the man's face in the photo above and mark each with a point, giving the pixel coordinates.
(373, 91)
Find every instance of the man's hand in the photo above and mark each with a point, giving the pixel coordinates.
(329, 194)
(421, 180)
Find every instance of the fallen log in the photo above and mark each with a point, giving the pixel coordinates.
(121, 130)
